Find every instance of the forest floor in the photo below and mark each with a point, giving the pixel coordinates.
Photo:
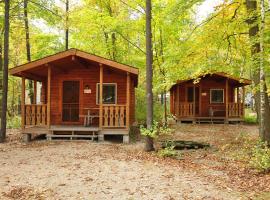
(86, 170)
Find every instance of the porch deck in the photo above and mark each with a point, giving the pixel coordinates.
(211, 120)
(73, 132)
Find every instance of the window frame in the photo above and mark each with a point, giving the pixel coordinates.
(97, 93)
(218, 89)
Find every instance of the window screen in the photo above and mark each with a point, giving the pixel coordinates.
(109, 93)
(217, 96)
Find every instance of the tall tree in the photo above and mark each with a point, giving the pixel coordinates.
(67, 25)
(149, 145)
(264, 102)
(28, 47)
(5, 73)
(257, 56)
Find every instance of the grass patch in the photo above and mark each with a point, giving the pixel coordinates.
(250, 117)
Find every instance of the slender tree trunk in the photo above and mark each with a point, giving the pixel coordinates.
(264, 114)
(28, 48)
(261, 98)
(1, 80)
(5, 74)
(149, 145)
(67, 24)
(255, 49)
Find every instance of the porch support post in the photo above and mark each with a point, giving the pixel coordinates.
(226, 100)
(100, 96)
(23, 103)
(194, 100)
(128, 101)
(177, 101)
(244, 91)
(237, 97)
(35, 92)
(49, 96)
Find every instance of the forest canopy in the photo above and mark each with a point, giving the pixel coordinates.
(184, 45)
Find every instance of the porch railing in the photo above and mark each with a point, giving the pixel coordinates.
(114, 116)
(35, 114)
(235, 109)
(186, 109)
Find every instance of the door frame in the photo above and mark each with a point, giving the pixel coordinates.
(61, 99)
(199, 95)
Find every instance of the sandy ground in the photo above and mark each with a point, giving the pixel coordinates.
(86, 170)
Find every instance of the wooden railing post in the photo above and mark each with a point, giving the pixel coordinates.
(23, 104)
(35, 92)
(49, 96)
(226, 99)
(244, 91)
(101, 96)
(128, 101)
(194, 100)
(177, 100)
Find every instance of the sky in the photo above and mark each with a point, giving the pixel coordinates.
(206, 8)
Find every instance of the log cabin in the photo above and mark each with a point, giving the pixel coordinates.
(82, 96)
(210, 98)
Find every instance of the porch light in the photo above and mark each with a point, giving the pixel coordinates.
(87, 89)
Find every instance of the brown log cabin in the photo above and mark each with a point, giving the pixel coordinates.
(216, 97)
(82, 95)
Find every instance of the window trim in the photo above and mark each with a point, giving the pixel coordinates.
(97, 86)
(211, 96)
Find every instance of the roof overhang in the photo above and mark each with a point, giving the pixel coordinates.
(241, 81)
(19, 70)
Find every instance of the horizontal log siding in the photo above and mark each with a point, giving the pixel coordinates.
(88, 77)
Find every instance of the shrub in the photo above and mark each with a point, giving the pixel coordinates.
(13, 122)
(156, 130)
(260, 158)
(167, 152)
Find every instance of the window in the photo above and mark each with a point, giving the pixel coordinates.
(109, 93)
(216, 96)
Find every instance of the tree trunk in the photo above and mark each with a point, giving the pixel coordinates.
(1, 79)
(149, 144)
(5, 74)
(28, 48)
(255, 49)
(67, 25)
(261, 99)
(264, 115)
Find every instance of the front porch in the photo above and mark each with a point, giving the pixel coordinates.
(80, 95)
(234, 112)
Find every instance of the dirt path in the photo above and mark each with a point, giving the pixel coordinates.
(83, 170)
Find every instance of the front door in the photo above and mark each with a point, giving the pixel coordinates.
(70, 101)
(190, 96)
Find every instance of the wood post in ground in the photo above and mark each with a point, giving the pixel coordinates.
(100, 137)
(125, 139)
(26, 137)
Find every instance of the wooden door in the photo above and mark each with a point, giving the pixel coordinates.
(70, 101)
(190, 98)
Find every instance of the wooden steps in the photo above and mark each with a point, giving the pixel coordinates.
(71, 137)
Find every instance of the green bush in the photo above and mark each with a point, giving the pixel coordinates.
(14, 122)
(250, 117)
(260, 158)
(168, 151)
(141, 108)
(156, 130)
